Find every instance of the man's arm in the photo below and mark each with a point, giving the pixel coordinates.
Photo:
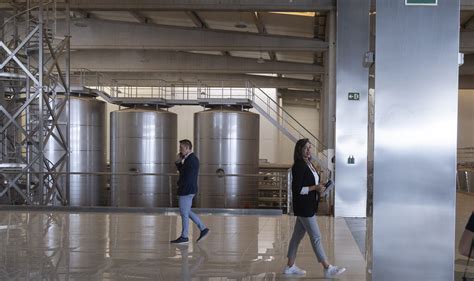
(179, 166)
(186, 171)
(179, 162)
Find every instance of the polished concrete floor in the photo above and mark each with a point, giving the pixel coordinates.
(124, 246)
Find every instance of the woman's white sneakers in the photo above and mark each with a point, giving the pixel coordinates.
(294, 270)
(333, 270)
(329, 272)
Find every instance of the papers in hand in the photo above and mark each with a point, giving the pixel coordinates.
(329, 186)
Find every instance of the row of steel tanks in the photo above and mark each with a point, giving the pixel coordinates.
(143, 140)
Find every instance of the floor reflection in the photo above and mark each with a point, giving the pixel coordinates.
(114, 246)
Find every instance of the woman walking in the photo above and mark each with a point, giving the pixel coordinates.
(306, 189)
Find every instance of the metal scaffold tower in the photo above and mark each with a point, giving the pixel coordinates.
(34, 92)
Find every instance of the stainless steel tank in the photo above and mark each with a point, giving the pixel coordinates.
(87, 131)
(142, 140)
(226, 141)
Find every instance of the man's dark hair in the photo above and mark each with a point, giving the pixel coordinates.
(298, 154)
(186, 143)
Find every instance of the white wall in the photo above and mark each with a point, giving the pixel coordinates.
(306, 116)
(466, 118)
(109, 108)
(185, 121)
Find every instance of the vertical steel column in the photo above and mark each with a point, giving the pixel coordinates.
(40, 89)
(28, 125)
(2, 30)
(416, 84)
(351, 108)
(68, 104)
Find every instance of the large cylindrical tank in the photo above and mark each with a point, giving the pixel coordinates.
(142, 140)
(87, 131)
(227, 142)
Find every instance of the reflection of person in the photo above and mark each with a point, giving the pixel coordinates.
(467, 237)
(306, 189)
(188, 167)
(188, 271)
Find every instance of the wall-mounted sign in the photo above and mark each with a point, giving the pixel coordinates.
(353, 96)
(421, 2)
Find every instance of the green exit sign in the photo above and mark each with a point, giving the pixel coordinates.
(421, 2)
(353, 96)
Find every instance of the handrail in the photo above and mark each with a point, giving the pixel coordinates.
(276, 112)
(22, 12)
(307, 132)
(170, 90)
(13, 171)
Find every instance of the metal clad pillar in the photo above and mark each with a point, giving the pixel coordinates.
(351, 108)
(416, 92)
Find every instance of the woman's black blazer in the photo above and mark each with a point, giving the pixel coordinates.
(303, 205)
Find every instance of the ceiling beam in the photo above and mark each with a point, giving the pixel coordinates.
(257, 19)
(468, 67)
(82, 14)
(197, 20)
(300, 103)
(466, 82)
(200, 23)
(204, 5)
(466, 41)
(193, 5)
(103, 34)
(272, 55)
(149, 79)
(467, 5)
(169, 61)
(140, 17)
(469, 24)
(298, 94)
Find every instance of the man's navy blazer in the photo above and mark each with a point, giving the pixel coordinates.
(188, 175)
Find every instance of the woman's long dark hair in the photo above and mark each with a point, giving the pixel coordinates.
(298, 154)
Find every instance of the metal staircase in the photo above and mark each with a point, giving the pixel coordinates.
(287, 124)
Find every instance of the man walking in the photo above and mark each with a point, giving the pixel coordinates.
(188, 167)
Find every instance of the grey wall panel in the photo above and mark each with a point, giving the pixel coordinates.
(415, 140)
(351, 115)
